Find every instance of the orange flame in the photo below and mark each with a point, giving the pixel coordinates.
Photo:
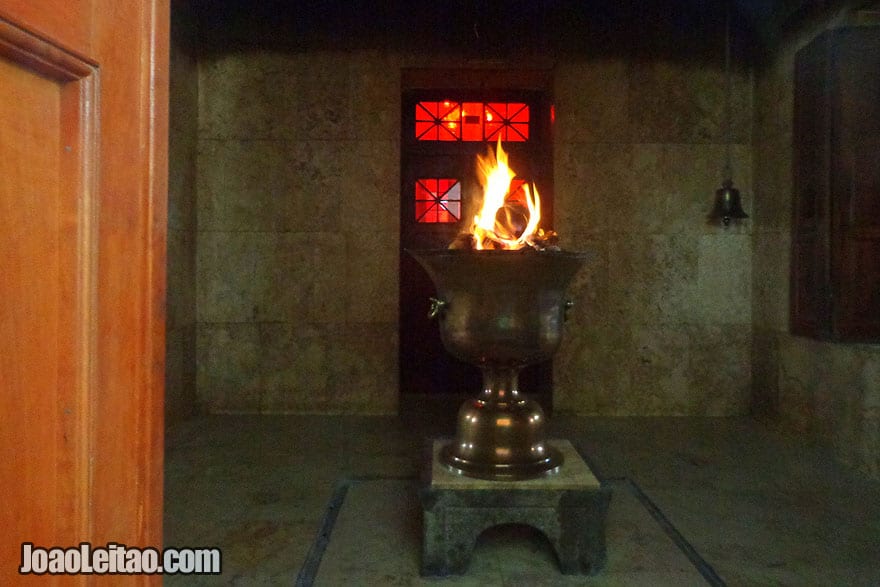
(498, 224)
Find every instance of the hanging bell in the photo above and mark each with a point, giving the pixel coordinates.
(727, 204)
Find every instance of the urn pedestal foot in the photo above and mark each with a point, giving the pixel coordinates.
(501, 434)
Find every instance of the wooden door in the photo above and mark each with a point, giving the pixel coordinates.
(854, 184)
(810, 295)
(446, 169)
(83, 137)
(835, 269)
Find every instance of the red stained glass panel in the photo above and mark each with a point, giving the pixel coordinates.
(437, 200)
(449, 120)
(516, 193)
(438, 121)
(507, 120)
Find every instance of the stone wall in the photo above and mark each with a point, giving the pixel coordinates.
(823, 388)
(662, 319)
(298, 212)
(298, 206)
(180, 357)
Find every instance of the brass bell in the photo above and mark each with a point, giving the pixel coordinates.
(727, 204)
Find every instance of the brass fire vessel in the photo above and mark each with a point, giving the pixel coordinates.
(501, 311)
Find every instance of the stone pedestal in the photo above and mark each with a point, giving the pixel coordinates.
(568, 506)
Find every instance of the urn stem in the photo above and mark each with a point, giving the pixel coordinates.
(501, 385)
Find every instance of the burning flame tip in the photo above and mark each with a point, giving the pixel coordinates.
(499, 223)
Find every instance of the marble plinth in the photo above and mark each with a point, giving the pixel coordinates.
(568, 506)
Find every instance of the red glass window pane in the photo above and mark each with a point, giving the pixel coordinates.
(448, 120)
(437, 200)
(438, 121)
(516, 193)
(507, 120)
(472, 121)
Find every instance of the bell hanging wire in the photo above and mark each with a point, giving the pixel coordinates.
(728, 203)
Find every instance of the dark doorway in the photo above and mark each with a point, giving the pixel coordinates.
(443, 131)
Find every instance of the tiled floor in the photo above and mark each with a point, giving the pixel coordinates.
(759, 506)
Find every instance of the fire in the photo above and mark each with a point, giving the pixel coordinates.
(501, 222)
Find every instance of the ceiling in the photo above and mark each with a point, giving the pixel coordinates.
(508, 27)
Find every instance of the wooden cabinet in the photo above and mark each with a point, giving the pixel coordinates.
(835, 256)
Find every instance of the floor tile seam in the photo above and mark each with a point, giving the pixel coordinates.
(309, 570)
(702, 566)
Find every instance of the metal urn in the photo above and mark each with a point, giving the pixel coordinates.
(501, 311)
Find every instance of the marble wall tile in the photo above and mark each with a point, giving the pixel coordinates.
(181, 175)
(591, 373)
(247, 94)
(283, 275)
(652, 369)
(770, 279)
(774, 183)
(594, 186)
(271, 276)
(364, 376)
(183, 76)
(645, 210)
(180, 373)
(773, 117)
(327, 279)
(678, 369)
(724, 281)
(653, 278)
(227, 367)
(830, 390)
(369, 187)
(679, 181)
(298, 214)
(589, 289)
(295, 366)
(676, 102)
(796, 374)
(180, 301)
(765, 372)
(591, 99)
(371, 290)
(282, 278)
(645, 188)
(375, 96)
(324, 98)
(283, 368)
(868, 457)
(246, 185)
(180, 308)
(277, 184)
(226, 268)
(318, 173)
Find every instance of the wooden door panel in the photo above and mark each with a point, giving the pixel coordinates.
(47, 285)
(835, 275)
(83, 143)
(67, 23)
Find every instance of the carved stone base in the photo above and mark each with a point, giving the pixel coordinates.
(569, 507)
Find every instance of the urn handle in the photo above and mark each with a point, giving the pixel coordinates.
(437, 307)
(569, 304)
